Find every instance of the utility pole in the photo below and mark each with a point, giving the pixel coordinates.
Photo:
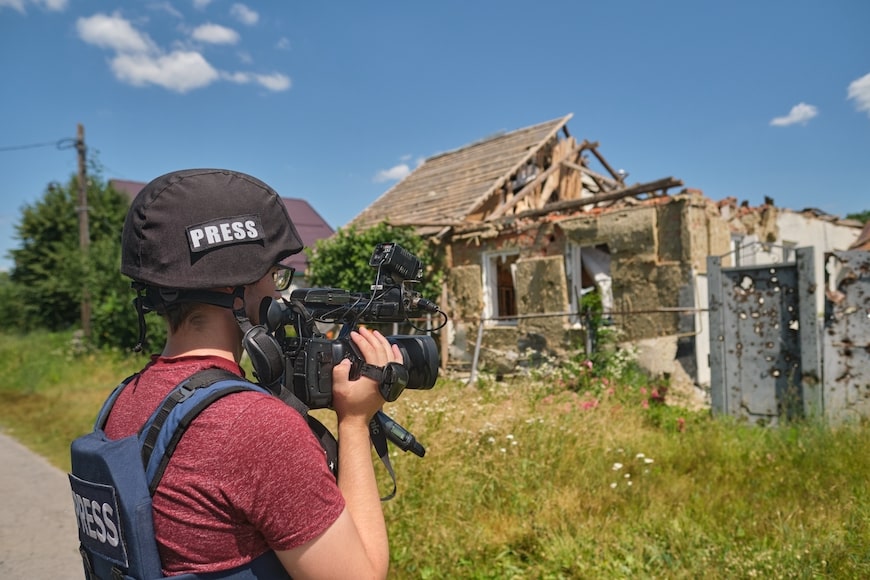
(84, 228)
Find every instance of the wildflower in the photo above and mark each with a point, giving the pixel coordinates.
(490, 440)
(617, 466)
(645, 404)
(627, 476)
(613, 485)
(639, 456)
(648, 460)
(588, 364)
(510, 436)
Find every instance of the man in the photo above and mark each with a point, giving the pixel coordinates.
(248, 477)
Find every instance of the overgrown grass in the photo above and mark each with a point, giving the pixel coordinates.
(561, 475)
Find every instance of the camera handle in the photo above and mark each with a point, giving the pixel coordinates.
(381, 429)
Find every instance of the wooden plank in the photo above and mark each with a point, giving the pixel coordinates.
(637, 189)
(499, 212)
(603, 181)
(603, 161)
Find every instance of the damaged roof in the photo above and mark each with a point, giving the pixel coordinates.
(448, 187)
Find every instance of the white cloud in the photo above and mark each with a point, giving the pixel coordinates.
(138, 61)
(113, 32)
(201, 4)
(179, 71)
(168, 8)
(17, 5)
(215, 34)
(800, 113)
(21, 5)
(859, 91)
(283, 44)
(275, 82)
(244, 14)
(395, 173)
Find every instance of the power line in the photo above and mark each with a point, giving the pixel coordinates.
(68, 143)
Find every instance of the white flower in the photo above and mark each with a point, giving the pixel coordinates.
(617, 466)
(613, 485)
(490, 440)
(639, 456)
(648, 460)
(509, 437)
(627, 476)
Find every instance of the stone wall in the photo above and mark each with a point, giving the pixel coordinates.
(656, 250)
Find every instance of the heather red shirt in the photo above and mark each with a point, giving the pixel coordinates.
(248, 475)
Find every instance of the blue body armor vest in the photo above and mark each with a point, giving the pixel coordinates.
(113, 481)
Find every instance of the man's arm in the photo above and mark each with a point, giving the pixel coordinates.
(356, 543)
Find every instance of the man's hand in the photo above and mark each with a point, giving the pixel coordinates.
(359, 400)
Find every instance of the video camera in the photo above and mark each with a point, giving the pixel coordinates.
(310, 356)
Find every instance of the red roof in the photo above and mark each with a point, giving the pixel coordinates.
(311, 227)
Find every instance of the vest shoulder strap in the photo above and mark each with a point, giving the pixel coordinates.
(164, 429)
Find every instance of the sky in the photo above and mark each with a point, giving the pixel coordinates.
(334, 102)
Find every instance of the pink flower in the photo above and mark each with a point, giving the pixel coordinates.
(588, 364)
(610, 392)
(645, 404)
(643, 390)
(586, 405)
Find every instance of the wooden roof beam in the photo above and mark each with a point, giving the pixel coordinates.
(602, 181)
(603, 161)
(530, 186)
(638, 189)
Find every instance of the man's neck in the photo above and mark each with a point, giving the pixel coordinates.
(215, 335)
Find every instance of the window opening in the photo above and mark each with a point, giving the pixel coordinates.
(501, 295)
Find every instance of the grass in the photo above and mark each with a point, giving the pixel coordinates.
(565, 474)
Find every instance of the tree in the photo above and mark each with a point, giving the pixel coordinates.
(342, 261)
(863, 216)
(50, 271)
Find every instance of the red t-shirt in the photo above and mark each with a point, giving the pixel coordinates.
(248, 475)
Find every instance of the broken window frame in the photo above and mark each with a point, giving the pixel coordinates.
(494, 308)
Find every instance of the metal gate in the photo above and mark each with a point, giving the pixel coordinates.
(847, 336)
(764, 355)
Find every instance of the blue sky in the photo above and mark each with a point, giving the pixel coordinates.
(334, 101)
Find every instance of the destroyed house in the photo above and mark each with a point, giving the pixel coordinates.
(531, 220)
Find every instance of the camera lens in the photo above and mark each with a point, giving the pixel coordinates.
(420, 354)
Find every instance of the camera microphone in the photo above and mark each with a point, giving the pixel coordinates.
(399, 436)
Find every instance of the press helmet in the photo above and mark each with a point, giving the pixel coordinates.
(205, 228)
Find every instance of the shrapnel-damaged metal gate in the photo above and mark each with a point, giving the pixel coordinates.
(764, 354)
(846, 339)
